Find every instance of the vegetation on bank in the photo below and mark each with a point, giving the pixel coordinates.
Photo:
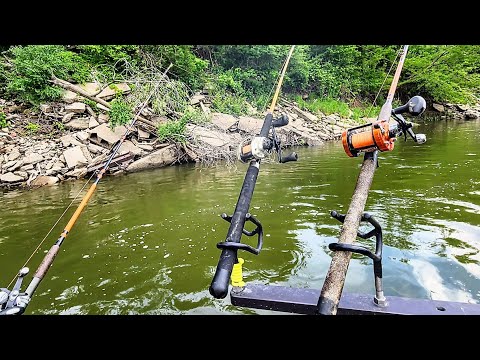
(321, 78)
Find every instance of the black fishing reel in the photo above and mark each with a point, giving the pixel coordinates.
(14, 302)
(260, 146)
(415, 107)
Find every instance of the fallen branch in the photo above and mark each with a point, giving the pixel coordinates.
(76, 89)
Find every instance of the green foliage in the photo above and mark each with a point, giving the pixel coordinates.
(32, 128)
(329, 106)
(172, 130)
(3, 120)
(256, 66)
(365, 112)
(444, 73)
(120, 112)
(232, 80)
(115, 88)
(440, 73)
(186, 65)
(229, 92)
(235, 74)
(106, 54)
(109, 60)
(33, 67)
(326, 106)
(229, 103)
(194, 116)
(3, 77)
(261, 101)
(59, 125)
(92, 104)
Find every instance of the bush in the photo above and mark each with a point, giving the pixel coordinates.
(229, 103)
(329, 106)
(120, 112)
(3, 120)
(325, 105)
(108, 54)
(228, 92)
(33, 67)
(362, 112)
(447, 73)
(186, 65)
(194, 116)
(109, 60)
(3, 77)
(172, 130)
(440, 73)
(92, 104)
(240, 73)
(32, 128)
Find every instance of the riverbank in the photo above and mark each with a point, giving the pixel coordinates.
(69, 140)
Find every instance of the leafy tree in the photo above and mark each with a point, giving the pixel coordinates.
(186, 65)
(33, 67)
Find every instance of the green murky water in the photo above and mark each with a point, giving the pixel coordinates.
(146, 242)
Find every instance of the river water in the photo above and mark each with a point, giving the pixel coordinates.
(145, 244)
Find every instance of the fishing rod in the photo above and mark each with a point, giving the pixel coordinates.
(370, 139)
(254, 152)
(14, 302)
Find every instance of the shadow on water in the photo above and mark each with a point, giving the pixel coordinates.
(146, 242)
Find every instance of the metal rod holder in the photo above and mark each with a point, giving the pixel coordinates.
(379, 299)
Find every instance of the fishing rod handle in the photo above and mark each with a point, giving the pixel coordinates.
(267, 123)
(47, 261)
(219, 286)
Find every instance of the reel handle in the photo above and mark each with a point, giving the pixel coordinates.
(281, 121)
(290, 157)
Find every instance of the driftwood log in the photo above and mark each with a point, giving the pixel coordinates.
(335, 279)
(76, 89)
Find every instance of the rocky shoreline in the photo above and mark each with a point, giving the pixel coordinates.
(457, 111)
(85, 138)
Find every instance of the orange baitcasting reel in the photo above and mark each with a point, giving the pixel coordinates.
(368, 137)
(381, 135)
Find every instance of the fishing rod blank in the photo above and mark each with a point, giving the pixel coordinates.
(369, 138)
(14, 302)
(254, 151)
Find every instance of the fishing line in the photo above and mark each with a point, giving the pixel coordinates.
(273, 85)
(114, 150)
(384, 80)
(51, 229)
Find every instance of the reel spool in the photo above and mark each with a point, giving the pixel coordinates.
(381, 135)
(255, 149)
(368, 137)
(258, 147)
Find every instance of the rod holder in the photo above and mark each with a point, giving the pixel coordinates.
(379, 298)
